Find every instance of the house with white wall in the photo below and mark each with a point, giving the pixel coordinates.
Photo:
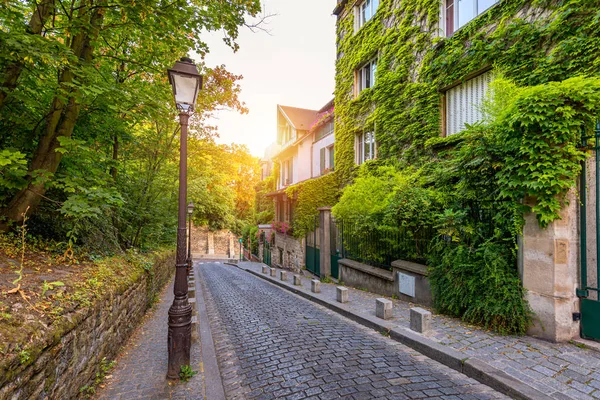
(306, 150)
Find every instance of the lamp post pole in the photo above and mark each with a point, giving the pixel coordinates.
(190, 211)
(186, 82)
(180, 313)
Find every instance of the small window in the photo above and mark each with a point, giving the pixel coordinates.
(365, 147)
(463, 103)
(459, 12)
(365, 11)
(365, 76)
(325, 130)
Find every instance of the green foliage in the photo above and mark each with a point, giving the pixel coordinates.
(13, 168)
(480, 286)
(103, 368)
(24, 357)
(50, 286)
(472, 187)
(541, 132)
(309, 196)
(250, 232)
(186, 373)
(263, 205)
(105, 171)
(367, 199)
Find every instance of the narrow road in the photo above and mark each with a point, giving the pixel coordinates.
(272, 344)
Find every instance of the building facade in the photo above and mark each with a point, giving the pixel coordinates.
(414, 74)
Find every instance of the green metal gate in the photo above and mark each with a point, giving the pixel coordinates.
(336, 236)
(313, 253)
(267, 253)
(590, 246)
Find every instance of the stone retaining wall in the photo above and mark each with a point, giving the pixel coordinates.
(206, 242)
(72, 353)
(288, 252)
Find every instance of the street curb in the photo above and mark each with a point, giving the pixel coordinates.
(471, 367)
(213, 382)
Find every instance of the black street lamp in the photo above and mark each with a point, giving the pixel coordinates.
(186, 82)
(190, 211)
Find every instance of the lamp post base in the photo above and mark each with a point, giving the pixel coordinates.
(180, 336)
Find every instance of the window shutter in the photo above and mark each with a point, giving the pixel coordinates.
(463, 103)
(322, 155)
(331, 157)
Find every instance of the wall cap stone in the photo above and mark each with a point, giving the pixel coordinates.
(368, 269)
(415, 268)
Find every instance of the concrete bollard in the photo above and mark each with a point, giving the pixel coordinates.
(383, 308)
(315, 286)
(265, 269)
(420, 320)
(342, 294)
(297, 280)
(283, 275)
(273, 272)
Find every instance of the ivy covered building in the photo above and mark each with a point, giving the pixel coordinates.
(467, 117)
(306, 152)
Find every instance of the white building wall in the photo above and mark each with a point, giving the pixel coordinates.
(302, 164)
(316, 157)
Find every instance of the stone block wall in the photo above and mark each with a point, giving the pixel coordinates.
(550, 271)
(206, 242)
(287, 252)
(71, 354)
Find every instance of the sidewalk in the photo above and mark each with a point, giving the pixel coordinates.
(141, 368)
(521, 367)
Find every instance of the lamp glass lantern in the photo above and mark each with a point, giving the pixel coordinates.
(190, 208)
(186, 83)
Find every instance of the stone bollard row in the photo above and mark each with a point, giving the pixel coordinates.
(342, 294)
(315, 286)
(383, 308)
(420, 320)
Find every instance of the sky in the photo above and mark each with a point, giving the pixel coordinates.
(293, 65)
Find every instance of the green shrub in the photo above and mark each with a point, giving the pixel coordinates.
(480, 285)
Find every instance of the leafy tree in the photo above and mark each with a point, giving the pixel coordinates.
(100, 61)
(90, 135)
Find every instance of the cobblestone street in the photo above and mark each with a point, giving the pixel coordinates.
(272, 344)
(141, 368)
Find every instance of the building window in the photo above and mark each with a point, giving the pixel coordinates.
(463, 103)
(325, 130)
(365, 147)
(459, 12)
(286, 172)
(365, 11)
(365, 76)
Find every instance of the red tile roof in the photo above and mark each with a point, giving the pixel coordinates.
(301, 118)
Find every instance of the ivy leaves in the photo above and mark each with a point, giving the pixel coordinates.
(541, 133)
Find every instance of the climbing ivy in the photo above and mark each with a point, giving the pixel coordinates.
(545, 55)
(309, 196)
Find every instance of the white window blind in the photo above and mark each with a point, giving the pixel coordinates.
(463, 103)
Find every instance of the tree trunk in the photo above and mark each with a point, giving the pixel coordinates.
(115, 157)
(59, 123)
(11, 72)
